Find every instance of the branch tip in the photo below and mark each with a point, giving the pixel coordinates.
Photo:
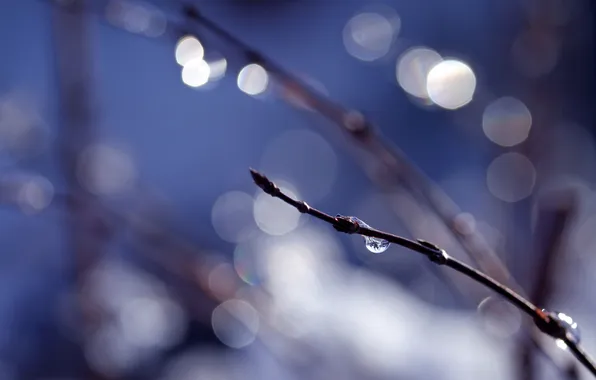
(263, 182)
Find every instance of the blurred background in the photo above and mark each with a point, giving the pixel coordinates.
(135, 245)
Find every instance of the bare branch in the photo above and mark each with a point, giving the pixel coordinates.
(548, 322)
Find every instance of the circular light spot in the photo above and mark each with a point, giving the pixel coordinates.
(253, 79)
(511, 177)
(235, 323)
(302, 157)
(413, 68)
(368, 36)
(232, 216)
(106, 170)
(140, 18)
(217, 69)
(189, 49)
(500, 318)
(245, 263)
(150, 322)
(451, 84)
(535, 54)
(222, 281)
(35, 194)
(273, 216)
(196, 73)
(22, 131)
(507, 121)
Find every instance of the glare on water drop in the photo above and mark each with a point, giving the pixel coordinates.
(570, 325)
(375, 245)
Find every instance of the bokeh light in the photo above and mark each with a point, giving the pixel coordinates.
(196, 73)
(451, 84)
(412, 70)
(232, 216)
(106, 170)
(222, 280)
(535, 53)
(203, 363)
(246, 262)
(511, 177)
(369, 36)
(152, 322)
(304, 158)
(253, 79)
(236, 323)
(500, 318)
(189, 49)
(272, 215)
(22, 131)
(217, 68)
(32, 193)
(507, 121)
(136, 17)
(35, 194)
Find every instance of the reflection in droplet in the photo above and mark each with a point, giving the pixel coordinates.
(273, 216)
(511, 177)
(375, 245)
(507, 121)
(189, 49)
(196, 73)
(105, 169)
(235, 323)
(413, 68)
(451, 84)
(232, 216)
(369, 36)
(500, 318)
(253, 79)
(535, 53)
(571, 326)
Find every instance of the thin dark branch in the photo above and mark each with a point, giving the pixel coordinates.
(544, 320)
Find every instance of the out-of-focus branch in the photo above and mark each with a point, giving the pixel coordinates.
(553, 218)
(88, 232)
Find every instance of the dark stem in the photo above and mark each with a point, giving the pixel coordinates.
(542, 318)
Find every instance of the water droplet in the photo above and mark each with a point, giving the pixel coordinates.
(570, 324)
(375, 245)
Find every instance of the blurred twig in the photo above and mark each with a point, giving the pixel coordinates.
(554, 215)
(88, 232)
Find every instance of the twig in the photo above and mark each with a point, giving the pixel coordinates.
(546, 321)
